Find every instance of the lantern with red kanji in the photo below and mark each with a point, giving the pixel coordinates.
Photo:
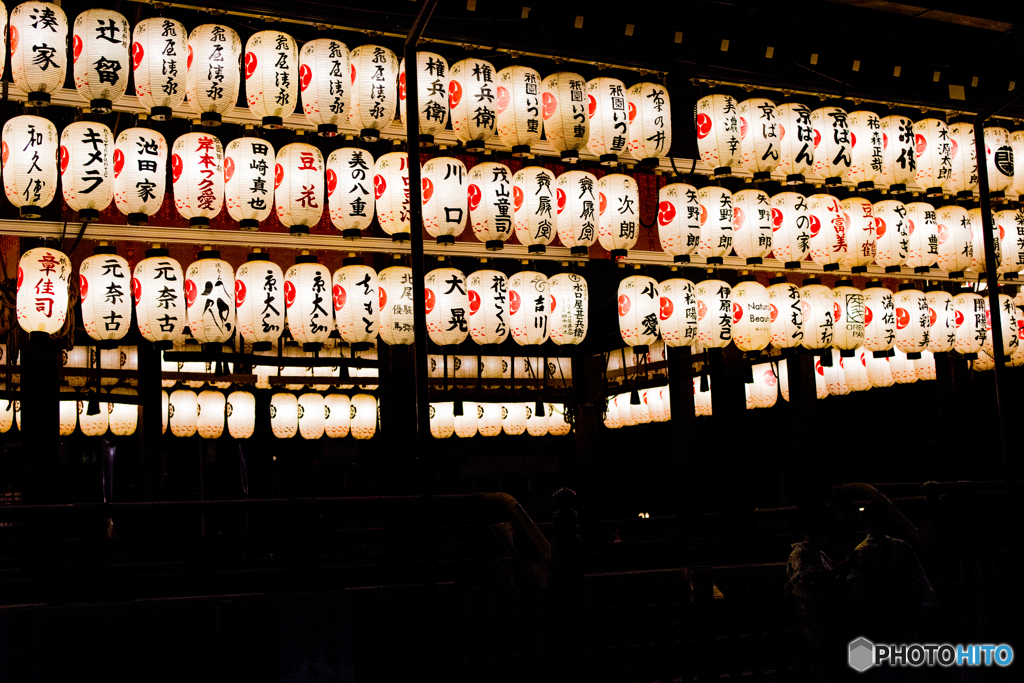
(860, 234)
(828, 228)
(42, 296)
(299, 186)
(197, 177)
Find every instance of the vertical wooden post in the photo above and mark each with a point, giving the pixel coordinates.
(150, 436)
(40, 417)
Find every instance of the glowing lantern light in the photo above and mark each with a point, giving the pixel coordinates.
(336, 415)
(609, 123)
(91, 425)
(611, 414)
(513, 418)
(751, 315)
(899, 158)
(998, 160)
(395, 299)
(307, 297)
(848, 308)
(828, 228)
(618, 219)
(923, 238)
(570, 308)
(158, 291)
(391, 192)
(30, 160)
(271, 76)
(978, 242)
(165, 403)
(123, 417)
(640, 413)
(374, 90)
(559, 420)
(210, 298)
(650, 123)
(518, 124)
(447, 306)
(860, 234)
(533, 203)
(42, 296)
(466, 424)
(879, 319)
(363, 416)
(835, 375)
(942, 320)
(791, 228)
(299, 186)
(471, 96)
(785, 312)
(678, 220)
(714, 313)
(796, 157)
(752, 225)
(213, 71)
(701, 398)
(818, 314)
(67, 417)
(349, 198)
(903, 370)
(677, 312)
(86, 171)
(760, 137)
(892, 234)
(820, 382)
(639, 303)
(856, 371)
(356, 302)
(1010, 227)
(934, 155)
(880, 371)
(529, 307)
(140, 170)
(912, 321)
(240, 409)
(716, 218)
(248, 181)
(576, 211)
(488, 306)
(158, 46)
(311, 411)
(490, 203)
(7, 415)
(866, 146)
(183, 413)
(718, 133)
(212, 406)
(104, 288)
(955, 240)
(197, 175)
(833, 152)
(284, 415)
(1008, 314)
(536, 422)
(100, 48)
(566, 113)
(39, 39)
(259, 301)
(924, 367)
(489, 418)
(324, 73)
(445, 198)
(442, 419)
(963, 175)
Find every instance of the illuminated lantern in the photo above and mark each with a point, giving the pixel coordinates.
(336, 415)
(611, 414)
(570, 308)
(576, 212)
(983, 363)
(324, 79)
(363, 416)
(158, 49)
(1008, 314)
(934, 155)
(818, 314)
(68, 414)
(86, 152)
(678, 220)
(183, 413)
(165, 403)
(677, 312)
(240, 409)
(212, 407)
(654, 400)
(639, 303)
(374, 90)
(7, 415)
(835, 375)
(791, 228)
(1010, 227)
(447, 306)
(912, 321)
(311, 411)
(30, 158)
(848, 309)
(820, 382)
(259, 301)
(701, 399)
(942, 320)
(489, 418)
(299, 186)
(158, 290)
(140, 173)
(856, 371)
(210, 298)
(833, 151)
(640, 413)
(77, 358)
(445, 198)
(618, 213)
(471, 96)
(442, 419)
(488, 306)
(924, 367)
(197, 175)
(533, 203)
(104, 288)
(759, 137)
(123, 417)
(978, 241)
(271, 76)
(716, 217)
(42, 296)
(609, 135)
(391, 192)
(955, 238)
(249, 181)
(566, 113)
(796, 141)
(91, 425)
(519, 115)
(213, 71)
(466, 424)
(866, 146)
(513, 418)
(718, 133)
(284, 415)
(356, 302)
(879, 370)
(752, 225)
(529, 307)
(536, 423)
(751, 315)
(350, 201)
(860, 234)
(998, 160)
(559, 420)
(1017, 146)
(100, 41)
(922, 236)
(899, 158)
(307, 298)
(650, 123)
(395, 299)
(714, 313)
(490, 203)
(785, 313)
(39, 43)
(902, 367)
(828, 230)
(963, 176)
(892, 235)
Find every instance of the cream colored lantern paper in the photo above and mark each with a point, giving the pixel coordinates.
(942, 320)
(39, 44)
(104, 289)
(325, 83)
(679, 220)
(99, 45)
(818, 314)
(472, 97)
(140, 173)
(828, 228)
(970, 320)
(165, 404)
(963, 155)
(299, 187)
(718, 132)
(374, 72)
(796, 142)
(639, 305)
(29, 161)
(311, 413)
(955, 240)
(356, 302)
(892, 234)
(159, 54)
(650, 123)
(618, 213)
(447, 306)
(160, 303)
(760, 131)
(210, 298)
(490, 203)
(1008, 314)
(998, 160)
(752, 225)
(566, 113)
(211, 408)
(240, 409)
(856, 371)
(609, 123)
(576, 217)
(879, 319)
(714, 313)
(445, 198)
(786, 320)
(249, 181)
(513, 418)
(1017, 146)
(791, 228)
(307, 298)
(466, 424)
(442, 419)
(91, 425)
(259, 301)
(519, 114)
(716, 218)
(395, 299)
(336, 415)
(123, 417)
(570, 308)
(86, 168)
(677, 312)
(559, 419)
(529, 307)
(978, 243)
(42, 294)
(350, 190)
(912, 321)
(1010, 228)
(363, 416)
(865, 148)
(271, 77)
(922, 236)
(751, 315)
(934, 151)
(183, 413)
(533, 200)
(833, 153)
(213, 71)
(899, 158)
(284, 415)
(391, 193)
(489, 318)
(197, 176)
(67, 414)
(848, 309)
(861, 247)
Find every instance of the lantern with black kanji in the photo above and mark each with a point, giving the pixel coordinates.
(157, 288)
(1010, 228)
(42, 296)
(970, 318)
(432, 95)
(892, 237)
(716, 218)
(104, 288)
(650, 123)
(374, 72)
(533, 202)
(785, 312)
(848, 309)
(791, 228)
(879, 319)
(529, 307)
(833, 153)
(356, 302)
(396, 302)
(760, 133)
(210, 298)
(718, 132)
(259, 301)
(447, 306)
(197, 176)
(350, 190)
(678, 220)
(324, 81)
(99, 43)
(714, 313)
(963, 155)
(39, 44)
(213, 71)
(159, 52)
(519, 112)
(899, 158)
(609, 125)
(307, 297)
(489, 317)
(912, 320)
(445, 198)
(998, 160)
(86, 168)
(818, 314)
(249, 181)
(934, 151)
(922, 236)
(865, 148)
(618, 213)
(29, 162)
(566, 113)
(576, 217)
(570, 308)
(751, 225)
(1008, 315)
(271, 76)
(490, 203)
(796, 141)
(140, 173)
(639, 303)
(955, 238)
(472, 97)
(942, 320)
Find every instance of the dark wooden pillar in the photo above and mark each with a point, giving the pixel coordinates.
(151, 418)
(805, 474)
(40, 417)
(583, 467)
(687, 463)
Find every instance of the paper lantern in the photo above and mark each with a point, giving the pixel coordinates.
(922, 236)
(618, 213)
(374, 90)
(260, 301)
(533, 202)
(879, 318)
(466, 424)
(566, 113)
(442, 419)
(67, 414)
(714, 313)
(701, 399)
(796, 141)
(100, 41)
(718, 133)
(395, 299)
(104, 288)
(284, 415)
(679, 220)
(248, 181)
(934, 151)
(529, 307)
(311, 412)
(650, 123)
(488, 294)
(472, 97)
(536, 423)
(978, 264)
(213, 71)
(307, 298)
(609, 124)
(899, 160)
(490, 203)
(356, 302)
(818, 314)
(78, 357)
(91, 425)
(447, 306)
(751, 315)
(639, 414)
(212, 407)
(559, 420)
(576, 216)
(140, 173)
(963, 176)
(786, 320)
(336, 415)
(752, 225)
(639, 306)
(240, 409)
(716, 219)
(39, 40)
(833, 150)
(1009, 224)
(363, 416)
(299, 186)
(912, 321)
(271, 76)
(6, 415)
(159, 51)
(1017, 147)
(570, 308)
(86, 151)
(828, 227)
(835, 376)
(903, 371)
(1008, 315)
(513, 418)
(30, 160)
(210, 298)
(892, 234)
(848, 309)
(42, 296)
(391, 192)
(763, 392)
(955, 240)
(197, 175)
(791, 228)
(324, 73)
(611, 414)
(866, 146)
(518, 105)
(488, 418)
(998, 160)
(942, 320)
(760, 133)
(924, 367)
(183, 413)
(158, 291)
(983, 363)
(351, 205)
(860, 247)
(856, 371)
(879, 370)
(445, 198)
(165, 403)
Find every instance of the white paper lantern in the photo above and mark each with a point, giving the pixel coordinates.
(566, 113)
(677, 312)
(442, 419)
(30, 158)
(763, 392)
(307, 297)
(1017, 146)
(518, 121)
(536, 424)
(432, 95)
(791, 228)
(490, 203)
(212, 407)
(533, 201)
(356, 302)
(374, 90)
(714, 313)
(639, 306)
(240, 409)
(324, 79)
(752, 225)
(679, 220)
(934, 155)
(978, 264)
(609, 124)
(866, 145)
(718, 132)
(363, 416)
(835, 375)
(570, 308)
(860, 247)
(796, 142)
(751, 315)
(466, 424)
(39, 39)
(140, 173)
(577, 211)
(716, 218)
(759, 137)
(488, 418)
(91, 425)
(336, 415)
(1008, 315)
(892, 234)
(922, 236)
(299, 186)
(210, 298)
(248, 181)
(856, 371)
(182, 412)
(879, 318)
(559, 423)
(67, 415)
(640, 413)
(833, 152)
(259, 301)
(159, 51)
(899, 158)
(529, 307)
(818, 314)
(391, 192)
(351, 205)
(104, 288)
(611, 414)
(618, 213)
(165, 403)
(998, 160)
(828, 227)
(1010, 227)
(271, 76)
(786, 314)
(848, 309)
(488, 306)
(160, 302)
(86, 168)
(99, 45)
(912, 321)
(396, 324)
(924, 367)
(213, 71)
(445, 198)
(903, 371)
(197, 175)
(880, 371)
(650, 123)
(513, 418)
(42, 296)
(701, 399)
(7, 415)
(447, 306)
(311, 411)
(472, 96)
(284, 415)
(942, 320)
(963, 177)
(77, 358)
(955, 240)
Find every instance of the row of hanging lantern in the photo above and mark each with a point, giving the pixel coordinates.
(498, 372)
(832, 145)
(120, 419)
(466, 419)
(653, 405)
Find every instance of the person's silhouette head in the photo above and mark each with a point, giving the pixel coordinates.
(876, 518)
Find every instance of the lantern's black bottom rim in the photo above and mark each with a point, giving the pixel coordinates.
(898, 188)
(571, 156)
(101, 106)
(299, 230)
(446, 239)
(761, 177)
(272, 122)
(38, 99)
(520, 150)
(327, 130)
(536, 249)
(714, 260)
(922, 269)
(795, 179)
(494, 245)
(998, 194)
(832, 182)
(859, 269)
(754, 261)
(249, 224)
(619, 253)
(893, 269)
(312, 347)
(210, 118)
(137, 219)
(199, 222)
(955, 274)
(351, 233)
(865, 186)
(879, 354)
(579, 251)
(641, 348)
(847, 353)
(161, 113)
(829, 267)
(474, 145)
(681, 258)
(30, 212)
(88, 215)
(609, 159)
(965, 194)
(647, 163)
(401, 237)
(915, 355)
(163, 345)
(970, 356)
(369, 134)
(426, 140)
(791, 264)
(933, 192)
(262, 346)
